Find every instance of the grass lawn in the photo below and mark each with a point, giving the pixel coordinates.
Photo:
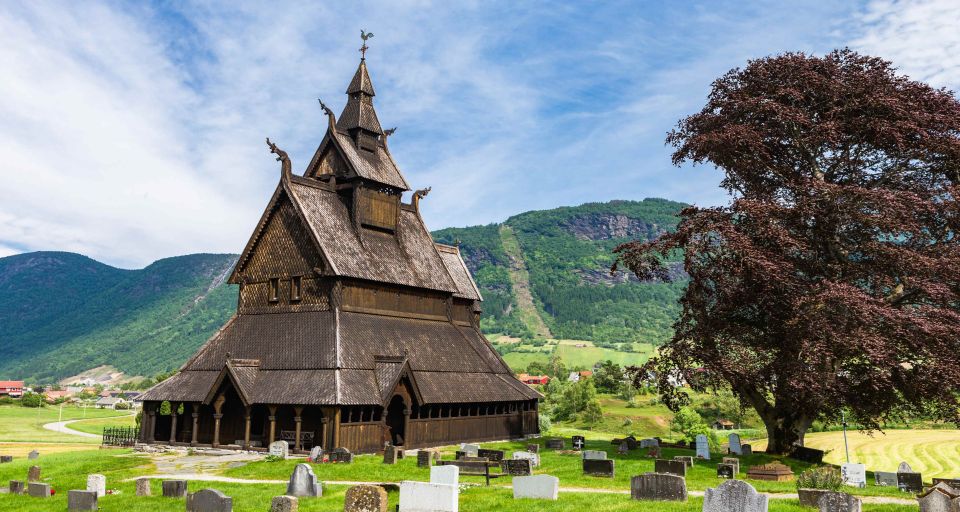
(68, 471)
(935, 453)
(26, 424)
(95, 426)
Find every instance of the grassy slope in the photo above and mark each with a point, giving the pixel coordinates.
(21, 424)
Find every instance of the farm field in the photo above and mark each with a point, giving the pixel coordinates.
(935, 453)
(573, 353)
(26, 424)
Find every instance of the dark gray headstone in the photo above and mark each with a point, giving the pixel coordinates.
(670, 467)
(174, 488)
(686, 459)
(209, 500)
(555, 444)
(424, 459)
(885, 478)
(6, 458)
(839, 502)
(303, 482)
(285, 504)
(658, 487)
(33, 474)
(38, 490)
(390, 454)
(734, 496)
(491, 455)
(811, 455)
(516, 467)
(746, 449)
(341, 455)
(81, 500)
(578, 442)
(728, 471)
(598, 467)
(17, 487)
(952, 482)
(623, 449)
(533, 448)
(910, 482)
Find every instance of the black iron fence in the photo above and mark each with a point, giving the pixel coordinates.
(120, 436)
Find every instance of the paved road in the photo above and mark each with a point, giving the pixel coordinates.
(61, 426)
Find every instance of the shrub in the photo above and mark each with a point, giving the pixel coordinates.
(122, 406)
(31, 400)
(545, 423)
(273, 458)
(823, 477)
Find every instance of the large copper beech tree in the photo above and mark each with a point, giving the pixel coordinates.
(832, 280)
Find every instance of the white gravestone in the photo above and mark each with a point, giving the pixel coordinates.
(735, 446)
(540, 487)
(703, 447)
(904, 468)
(594, 454)
(97, 483)
(449, 475)
(280, 449)
(470, 449)
(534, 458)
(428, 497)
(854, 474)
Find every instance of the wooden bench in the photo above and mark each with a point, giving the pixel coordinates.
(474, 467)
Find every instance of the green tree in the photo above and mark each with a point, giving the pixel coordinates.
(31, 400)
(608, 377)
(688, 423)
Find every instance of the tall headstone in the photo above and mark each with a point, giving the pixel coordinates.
(703, 447)
(174, 488)
(97, 484)
(143, 486)
(33, 455)
(670, 467)
(839, 502)
(594, 454)
(365, 498)
(854, 474)
(209, 500)
(602, 468)
(303, 483)
(734, 496)
(539, 487)
(658, 487)
(746, 450)
(280, 449)
(286, 504)
(316, 454)
(17, 487)
(904, 468)
(33, 474)
(390, 454)
(449, 475)
(428, 497)
(534, 458)
(38, 490)
(735, 447)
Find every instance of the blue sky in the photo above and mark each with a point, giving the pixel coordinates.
(131, 132)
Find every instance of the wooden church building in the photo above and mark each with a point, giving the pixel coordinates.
(353, 327)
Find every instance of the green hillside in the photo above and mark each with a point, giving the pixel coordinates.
(542, 274)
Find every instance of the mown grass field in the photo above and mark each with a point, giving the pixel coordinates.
(19, 424)
(96, 426)
(572, 355)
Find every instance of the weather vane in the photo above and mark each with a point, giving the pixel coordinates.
(363, 49)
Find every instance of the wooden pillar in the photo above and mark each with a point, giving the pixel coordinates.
(151, 424)
(217, 416)
(246, 428)
(336, 428)
(296, 420)
(406, 427)
(273, 423)
(324, 432)
(173, 421)
(196, 417)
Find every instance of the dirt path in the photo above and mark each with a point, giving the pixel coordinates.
(520, 279)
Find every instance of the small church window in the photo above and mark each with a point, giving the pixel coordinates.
(274, 289)
(296, 288)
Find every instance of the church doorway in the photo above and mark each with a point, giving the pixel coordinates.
(395, 419)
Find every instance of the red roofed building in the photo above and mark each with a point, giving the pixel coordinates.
(11, 388)
(533, 380)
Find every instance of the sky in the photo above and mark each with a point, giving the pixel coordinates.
(135, 131)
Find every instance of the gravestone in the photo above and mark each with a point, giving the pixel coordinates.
(303, 483)
(623, 449)
(390, 454)
(686, 459)
(428, 497)
(555, 444)
(81, 500)
(603, 468)
(341, 455)
(811, 455)
(658, 487)
(174, 488)
(734, 462)
(33, 455)
(365, 498)
(735, 447)
(38, 490)
(734, 496)
(6, 458)
(517, 467)
(670, 467)
(632, 442)
(594, 454)
(491, 455)
(97, 484)
(885, 478)
(746, 450)
(459, 455)
(288, 504)
(910, 482)
(703, 447)
(578, 442)
(947, 488)
(449, 475)
(33, 474)
(649, 443)
(424, 459)
(316, 454)
(539, 487)
(280, 449)
(728, 471)
(952, 482)
(143, 486)
(534, 458)
(470, 449)
(17, 487)
(854, 474)
(209, 500)
(935, 500)
(533, 448)
(839, 502)
(904, 468)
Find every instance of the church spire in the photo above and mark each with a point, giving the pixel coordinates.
(359, 118)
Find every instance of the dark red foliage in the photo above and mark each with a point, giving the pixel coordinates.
(832, 280)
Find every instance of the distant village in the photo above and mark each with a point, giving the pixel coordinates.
(85, 393)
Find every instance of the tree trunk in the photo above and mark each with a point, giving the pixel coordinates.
(785, 431)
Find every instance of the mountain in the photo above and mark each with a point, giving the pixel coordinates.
(541, 273)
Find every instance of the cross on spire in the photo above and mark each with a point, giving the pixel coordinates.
(363, 49)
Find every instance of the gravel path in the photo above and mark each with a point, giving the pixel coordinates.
(61, 426)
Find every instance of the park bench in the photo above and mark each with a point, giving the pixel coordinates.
(474, 467)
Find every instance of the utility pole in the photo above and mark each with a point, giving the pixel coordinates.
(843, 416)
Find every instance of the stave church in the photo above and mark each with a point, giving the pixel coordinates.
(353, 327)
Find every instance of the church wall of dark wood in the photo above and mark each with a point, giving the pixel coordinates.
(381, 299)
